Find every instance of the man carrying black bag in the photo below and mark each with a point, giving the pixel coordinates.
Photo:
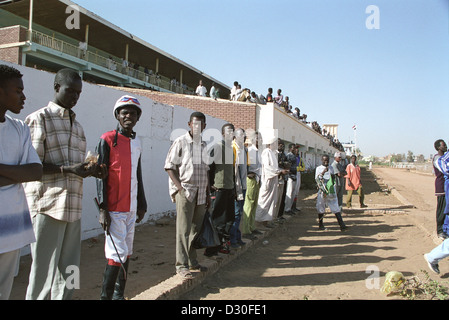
(189, 189)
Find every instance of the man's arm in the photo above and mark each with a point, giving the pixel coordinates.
(173, 174)
(13, 174)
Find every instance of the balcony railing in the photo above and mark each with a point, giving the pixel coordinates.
(113, 64)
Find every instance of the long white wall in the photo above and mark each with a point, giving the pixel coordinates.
(94, 112)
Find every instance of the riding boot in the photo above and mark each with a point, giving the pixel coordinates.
(320, 221)
(340, 221)
(109, 277)
(121, 282)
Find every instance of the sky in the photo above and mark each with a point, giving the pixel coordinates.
(384, 69)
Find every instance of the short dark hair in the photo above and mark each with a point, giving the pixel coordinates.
(8, 73)
(198, 115)
(227, 125)
(437, 144)
(65, 75)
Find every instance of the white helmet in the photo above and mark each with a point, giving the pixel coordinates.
(127, 100)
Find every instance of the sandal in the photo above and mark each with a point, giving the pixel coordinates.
(185, 273)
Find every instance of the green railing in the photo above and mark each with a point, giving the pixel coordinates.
(113, 64)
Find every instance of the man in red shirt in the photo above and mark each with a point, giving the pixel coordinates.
(353, 182)
(121, 195)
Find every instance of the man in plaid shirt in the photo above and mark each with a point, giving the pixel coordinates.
(186, 166)
(56, 200)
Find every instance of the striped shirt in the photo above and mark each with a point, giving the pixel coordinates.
(189, 160)
(58, 139)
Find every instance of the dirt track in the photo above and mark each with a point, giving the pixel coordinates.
(299, 262)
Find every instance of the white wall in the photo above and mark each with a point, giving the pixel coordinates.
(94, 112)
(290, 129)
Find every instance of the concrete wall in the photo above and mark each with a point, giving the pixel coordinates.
(94, 112)
(292, 130)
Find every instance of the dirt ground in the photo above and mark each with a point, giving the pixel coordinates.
(296, 261)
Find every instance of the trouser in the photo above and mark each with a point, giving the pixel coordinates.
(440, 216)
(289, 194)
(250, 205)
(189, 218)
(339, 190)
(359, 192)
(278, 212)
(438, 253)
(122, 232)
(235, 234)
(8, 267)
(56, 254)
(223, 215)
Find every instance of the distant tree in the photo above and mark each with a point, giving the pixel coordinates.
(410, 157)
(397, 157)
(420, 158)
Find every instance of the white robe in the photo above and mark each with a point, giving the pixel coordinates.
(268, 190)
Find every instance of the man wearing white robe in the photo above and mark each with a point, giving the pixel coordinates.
(269, 180)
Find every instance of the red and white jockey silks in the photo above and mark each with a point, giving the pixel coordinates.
(122, 191)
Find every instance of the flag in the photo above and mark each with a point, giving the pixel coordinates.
(354, 127)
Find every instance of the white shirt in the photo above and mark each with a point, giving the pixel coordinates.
(201, 91)
(16, 230)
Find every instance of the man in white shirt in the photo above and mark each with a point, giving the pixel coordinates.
(325, 178)
(201, 90)
(19, 163)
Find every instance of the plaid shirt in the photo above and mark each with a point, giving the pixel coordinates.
(187, 158)
(56, 142)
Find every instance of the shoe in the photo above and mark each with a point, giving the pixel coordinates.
(184, 273)
(342, 225)
(225, 248)
(363, 206)
(241, 243)
(443, 236)
(257, 232)
(432, 266)
(235, 246)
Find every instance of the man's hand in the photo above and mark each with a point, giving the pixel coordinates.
(140, 215)
(101, 171)
(105, 220)
(80, 169)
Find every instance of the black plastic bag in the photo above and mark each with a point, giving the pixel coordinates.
(208, 235)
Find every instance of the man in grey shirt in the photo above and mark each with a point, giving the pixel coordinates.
(339, 169)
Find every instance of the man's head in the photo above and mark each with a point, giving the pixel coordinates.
(337, 156)
(127, 111)
(227, 130)
(239, 135)
(440, 145)
(68, 87)
(197, 123)
(353, 159)
(12, 97)
(325, 160)
(281, 145)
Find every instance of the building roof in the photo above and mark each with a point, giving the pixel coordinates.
(108, 37)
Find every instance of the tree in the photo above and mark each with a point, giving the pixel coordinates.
(410, 157)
